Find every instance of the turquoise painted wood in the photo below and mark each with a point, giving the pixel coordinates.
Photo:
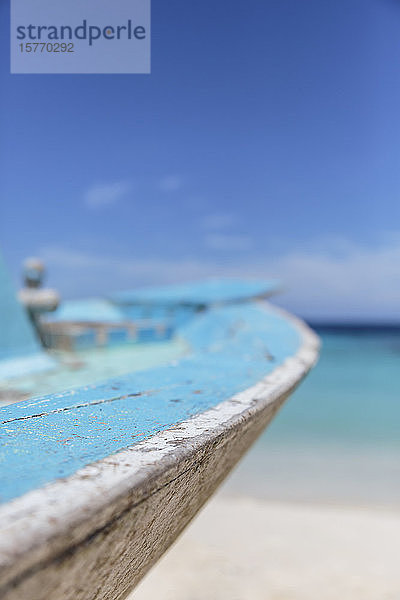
(177, 304)
(171, 303)
(90, 310)
(213, 291)
(233, 346)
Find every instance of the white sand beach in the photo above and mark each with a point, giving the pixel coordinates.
(242, 548)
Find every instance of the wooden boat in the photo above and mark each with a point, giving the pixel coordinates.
(97, 482)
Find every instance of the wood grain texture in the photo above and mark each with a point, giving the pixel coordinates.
(51, 437)
(95, 534)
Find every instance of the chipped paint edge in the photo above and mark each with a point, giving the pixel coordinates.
(40, 524)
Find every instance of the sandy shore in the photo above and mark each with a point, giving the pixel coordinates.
(248, 549)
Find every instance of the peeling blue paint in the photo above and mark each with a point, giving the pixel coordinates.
(233, 347)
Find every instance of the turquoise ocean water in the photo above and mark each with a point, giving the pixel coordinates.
(337, 439)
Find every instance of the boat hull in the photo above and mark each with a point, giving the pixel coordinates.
(94, 534)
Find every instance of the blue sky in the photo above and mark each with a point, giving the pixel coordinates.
(266, 142)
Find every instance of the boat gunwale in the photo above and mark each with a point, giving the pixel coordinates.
(48, 521)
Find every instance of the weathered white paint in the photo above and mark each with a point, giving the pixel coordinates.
(95, 534)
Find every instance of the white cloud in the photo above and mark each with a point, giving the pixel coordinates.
(357, 282)
(226, 242)
(172, 183)
(106, 194)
